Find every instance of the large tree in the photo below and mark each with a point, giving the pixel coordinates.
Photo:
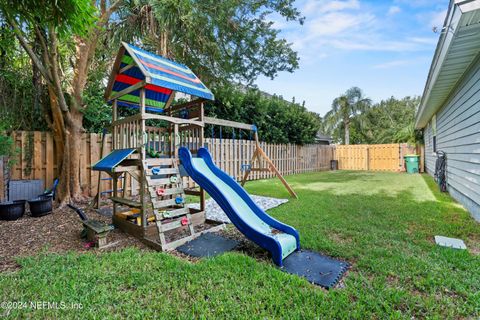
(220, 40)
(67, 33)
(345, 107)
(390, 120)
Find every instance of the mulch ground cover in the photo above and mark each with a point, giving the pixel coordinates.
(61, 231)
(57, 232)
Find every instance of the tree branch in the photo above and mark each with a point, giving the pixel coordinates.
(29, 50)
(102, 20)
(54, 66)
(44, 50)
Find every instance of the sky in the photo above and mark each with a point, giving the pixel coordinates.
(385, 47)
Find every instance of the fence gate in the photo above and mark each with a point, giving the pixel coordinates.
(375, 157)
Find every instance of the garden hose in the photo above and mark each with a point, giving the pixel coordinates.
(440, 170)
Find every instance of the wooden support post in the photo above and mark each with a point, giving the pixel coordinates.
(143, 212)
(124, 186)
(125, 91)
(367, 157)
(169, 101)
(114, 129)
(202, 144)
(176, 140)
(142, 157)
(142, 123)
(96, 200)
(115, 191)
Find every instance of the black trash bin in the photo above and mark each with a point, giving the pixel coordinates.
(333, 164)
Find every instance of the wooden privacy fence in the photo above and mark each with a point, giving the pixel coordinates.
(36, 159)
(375, 157)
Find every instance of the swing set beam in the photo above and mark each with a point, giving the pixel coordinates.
(228, 123)
(258, 154)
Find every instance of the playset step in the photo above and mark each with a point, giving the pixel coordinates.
(185, 221)
(158, 204)
(159, 162)
(161, 182)
(127, 202)
(172, 213)
(165, 191)
(161, 171)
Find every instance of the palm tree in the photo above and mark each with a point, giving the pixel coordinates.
(346, 107)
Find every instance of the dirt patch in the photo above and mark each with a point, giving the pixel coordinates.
(339, 237)
(244, 245)
(55, 233)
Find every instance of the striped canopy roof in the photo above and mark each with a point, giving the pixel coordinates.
(162, 78)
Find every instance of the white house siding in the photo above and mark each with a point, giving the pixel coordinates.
(458, 134)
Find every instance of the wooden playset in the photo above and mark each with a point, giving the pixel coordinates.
(145, 143)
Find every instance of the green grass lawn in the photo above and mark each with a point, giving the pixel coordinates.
(382, 223)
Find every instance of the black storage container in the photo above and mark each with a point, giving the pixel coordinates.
(333, 164)
(12, 210)
(40, 206)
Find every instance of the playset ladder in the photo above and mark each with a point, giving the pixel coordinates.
(167, 196)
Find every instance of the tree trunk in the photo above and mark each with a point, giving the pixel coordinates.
(162, 44)
(75, 130)
(68, 138)
(347, 131)
(65, 115)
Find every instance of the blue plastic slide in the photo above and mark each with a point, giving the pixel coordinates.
(270, 234)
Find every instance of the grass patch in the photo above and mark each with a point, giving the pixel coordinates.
(383, 223)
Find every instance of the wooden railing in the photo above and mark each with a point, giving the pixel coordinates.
(158, 140)
(190, 136)
(127, 133)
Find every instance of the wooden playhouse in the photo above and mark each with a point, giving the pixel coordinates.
(145, 144)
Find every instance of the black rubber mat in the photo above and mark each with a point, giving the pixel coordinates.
(316, 268)
(207, 245)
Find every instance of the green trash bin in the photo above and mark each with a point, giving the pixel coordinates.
(412, 162)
